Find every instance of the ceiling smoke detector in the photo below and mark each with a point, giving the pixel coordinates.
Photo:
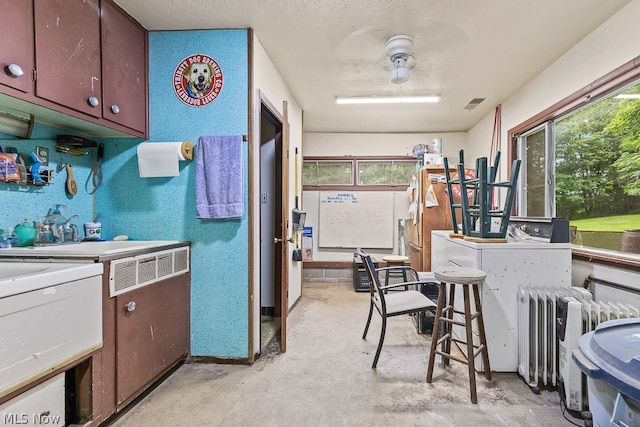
(399, 50)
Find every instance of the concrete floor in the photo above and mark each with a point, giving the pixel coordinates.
(325, 379)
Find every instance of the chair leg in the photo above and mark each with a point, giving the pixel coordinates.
(470, 349)
(366, 328)
(384, 328)
(435, 335)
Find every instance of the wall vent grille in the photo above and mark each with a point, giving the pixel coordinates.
(131, 273)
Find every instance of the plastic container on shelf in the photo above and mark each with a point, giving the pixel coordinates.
(25, 233)
(610, 357)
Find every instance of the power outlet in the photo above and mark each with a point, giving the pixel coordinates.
(43, 155)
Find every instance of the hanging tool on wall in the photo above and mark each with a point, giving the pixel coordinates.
(297, 252)
(71, 186)
(96, 169)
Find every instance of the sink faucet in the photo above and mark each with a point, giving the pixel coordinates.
(53, 233)
(68, 232)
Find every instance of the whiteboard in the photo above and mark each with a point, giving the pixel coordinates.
(355, 219)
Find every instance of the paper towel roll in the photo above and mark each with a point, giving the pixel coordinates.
(156, 159)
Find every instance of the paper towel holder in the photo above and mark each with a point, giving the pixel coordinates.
(187, 150)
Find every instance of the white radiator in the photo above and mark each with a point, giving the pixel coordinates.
(537, 349)
(550, 322)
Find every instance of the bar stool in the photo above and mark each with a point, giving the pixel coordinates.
(394, 261)
(444, 321)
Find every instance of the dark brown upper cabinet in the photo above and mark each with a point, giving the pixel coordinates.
(75, 64)
(68, 68)
(124, 68)
(16, 47)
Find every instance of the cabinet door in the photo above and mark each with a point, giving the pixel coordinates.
(124, 71)
(67, 43)
(16, 21)
(152, 336)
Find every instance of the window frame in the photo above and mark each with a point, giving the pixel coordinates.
(354, 179)
(617, 79)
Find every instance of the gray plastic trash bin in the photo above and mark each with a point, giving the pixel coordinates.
(610, 357)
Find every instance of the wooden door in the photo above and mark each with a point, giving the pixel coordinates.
(284, 285)
(67, 45)
(16, 21)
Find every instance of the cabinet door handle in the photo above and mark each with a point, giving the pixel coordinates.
(93, 101)
(15, 70)
(130, 306)
(115, 109)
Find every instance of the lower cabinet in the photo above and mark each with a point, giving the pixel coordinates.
(42, 404)
(146, 332)
(151, 334)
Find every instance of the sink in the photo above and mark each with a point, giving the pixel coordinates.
(87, 249)
(50, 316)
(18, 277)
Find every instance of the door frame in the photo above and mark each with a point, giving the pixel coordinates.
(282, 217)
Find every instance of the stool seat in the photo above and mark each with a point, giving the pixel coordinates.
(395, 268)
(461, 275)
(395, 258)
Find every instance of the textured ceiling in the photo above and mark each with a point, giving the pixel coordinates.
(464, 49)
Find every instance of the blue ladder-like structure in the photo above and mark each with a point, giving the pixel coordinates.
(477, 216)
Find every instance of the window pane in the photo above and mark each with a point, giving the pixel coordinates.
(535, 173)
(335, 173)
(402, 172)
(310, 173)
(597, 172)
(375, 173)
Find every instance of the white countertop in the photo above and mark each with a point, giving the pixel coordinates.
(509, 244)
(97, 250)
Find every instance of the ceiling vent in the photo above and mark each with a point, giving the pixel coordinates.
(473, 103)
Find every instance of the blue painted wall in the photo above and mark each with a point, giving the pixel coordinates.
(33, 202)
(164, 208)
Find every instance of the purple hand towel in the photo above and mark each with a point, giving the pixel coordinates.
(219, 177)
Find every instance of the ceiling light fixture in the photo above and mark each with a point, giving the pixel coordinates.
(16, 123)
(388, 99)
(399, 49)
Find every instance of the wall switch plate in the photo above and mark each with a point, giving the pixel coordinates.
(43, 155)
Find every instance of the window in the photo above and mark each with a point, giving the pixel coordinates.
(330, 172)
(372, 173)
(584, 165)
(392, 172)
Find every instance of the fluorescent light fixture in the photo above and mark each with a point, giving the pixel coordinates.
(14, 123)
(628, 96)
(387, 99)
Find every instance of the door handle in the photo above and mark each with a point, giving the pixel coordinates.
(278, 240)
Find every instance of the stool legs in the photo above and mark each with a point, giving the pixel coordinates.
(483, 338)
(470, 350)
(388, 273)
(442, 289)
(443, 329)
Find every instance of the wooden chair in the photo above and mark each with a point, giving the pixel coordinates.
(398, 303)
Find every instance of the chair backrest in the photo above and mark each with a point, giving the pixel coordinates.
(374, 279)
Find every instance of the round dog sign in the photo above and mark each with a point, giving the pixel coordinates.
(197, 80)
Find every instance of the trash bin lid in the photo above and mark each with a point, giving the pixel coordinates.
(613, 350)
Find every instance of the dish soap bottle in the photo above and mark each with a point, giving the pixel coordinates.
(25, 233)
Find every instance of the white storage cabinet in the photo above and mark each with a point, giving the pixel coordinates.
(507, 265)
